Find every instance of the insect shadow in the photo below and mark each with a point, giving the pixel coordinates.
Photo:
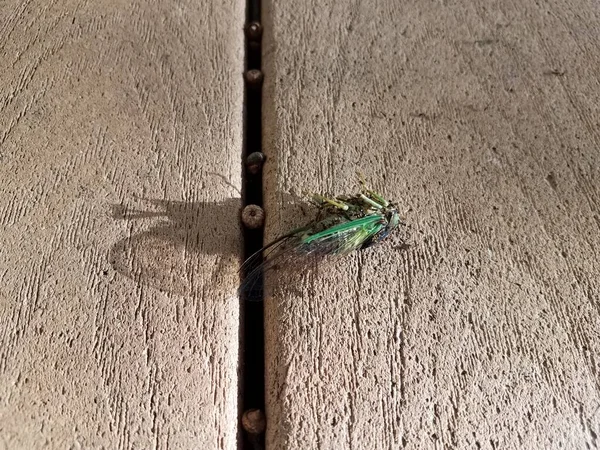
(178, 247)
(169, 252)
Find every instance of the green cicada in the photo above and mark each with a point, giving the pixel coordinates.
(343, 224)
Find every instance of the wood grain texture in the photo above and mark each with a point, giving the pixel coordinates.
(120, 144)
(482, 118)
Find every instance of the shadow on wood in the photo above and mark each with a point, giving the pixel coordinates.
(193, 245)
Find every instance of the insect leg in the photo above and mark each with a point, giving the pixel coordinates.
(371, 195)
(371, 202)
(320, 200)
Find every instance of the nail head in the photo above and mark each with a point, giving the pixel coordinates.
(254, 77)
(254, 421)
(254, 31)
(255, 161)
(253, 217)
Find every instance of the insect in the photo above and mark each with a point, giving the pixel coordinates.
(343, 224)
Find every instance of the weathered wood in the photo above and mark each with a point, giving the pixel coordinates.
(482, 118)
(120, 144)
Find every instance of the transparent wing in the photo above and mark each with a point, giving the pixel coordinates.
(297, 256)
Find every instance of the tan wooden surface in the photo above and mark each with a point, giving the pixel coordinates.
(483, 119)
(120, 144)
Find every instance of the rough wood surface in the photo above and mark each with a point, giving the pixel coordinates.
(120, 137)
(483, 119)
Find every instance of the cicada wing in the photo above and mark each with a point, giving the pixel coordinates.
(346, 237)
(297, 255)
(253, 268)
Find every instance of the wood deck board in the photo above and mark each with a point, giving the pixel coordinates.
(480, 119)
(120, 144)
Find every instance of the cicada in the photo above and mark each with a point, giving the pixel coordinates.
(342, 225)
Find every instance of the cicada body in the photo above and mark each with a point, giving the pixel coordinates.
(343, 224)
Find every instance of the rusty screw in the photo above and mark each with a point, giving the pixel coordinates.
(254, 31)
(254, 162)
(254, 421)
(254, 78)
(253, 217)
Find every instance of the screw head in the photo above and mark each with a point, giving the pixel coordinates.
(253, 217)
(254, 421)
(254, 78)
(254, 162)
(254, 31)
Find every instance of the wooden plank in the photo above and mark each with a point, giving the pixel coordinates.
(481, 119)
(120, 141)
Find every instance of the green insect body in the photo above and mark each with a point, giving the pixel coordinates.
(343, 224)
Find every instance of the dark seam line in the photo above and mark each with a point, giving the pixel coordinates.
(252, 373)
